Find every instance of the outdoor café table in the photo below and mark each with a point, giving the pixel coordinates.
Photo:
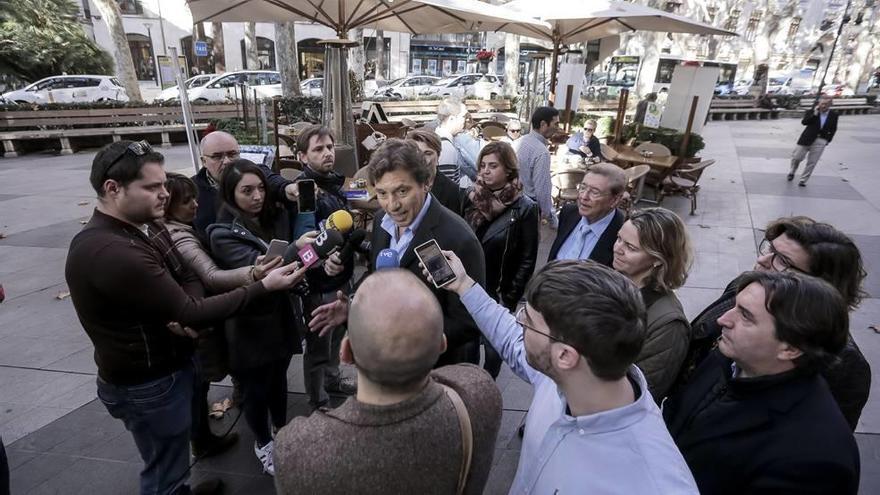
(629, 155)
(361, 198)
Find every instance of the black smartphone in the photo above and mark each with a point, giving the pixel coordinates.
(306, 196)
(430, 256)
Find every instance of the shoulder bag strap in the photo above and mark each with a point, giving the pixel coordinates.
(467, 436)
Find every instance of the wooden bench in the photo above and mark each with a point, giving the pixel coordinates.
(740, 109)
(133, 122)
(426, 110)
(844, 106)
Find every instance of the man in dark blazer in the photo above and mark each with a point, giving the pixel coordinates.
(821, 124)
(757, 416)
(411, 217)
(442, 187)
(588, 229)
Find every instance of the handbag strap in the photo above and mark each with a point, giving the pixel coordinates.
(467, 436)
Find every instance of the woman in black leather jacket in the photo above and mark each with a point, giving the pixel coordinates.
(506, 222)
(263, 338)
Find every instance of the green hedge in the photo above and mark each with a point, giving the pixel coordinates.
(670, 138)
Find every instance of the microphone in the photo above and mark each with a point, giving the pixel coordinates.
(354, 240)
(327, 243)
(339, 220)
(387, 259)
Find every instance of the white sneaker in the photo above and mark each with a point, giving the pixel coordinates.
(265, 456)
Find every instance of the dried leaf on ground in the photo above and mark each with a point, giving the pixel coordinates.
(875, 328)
(62, 295)
(83, 203)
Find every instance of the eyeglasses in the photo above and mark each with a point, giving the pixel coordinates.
(518, 131)
(520, 316)
(232, 155)
(779, 262)
(589, 129)
(137, 148)
(591, 192)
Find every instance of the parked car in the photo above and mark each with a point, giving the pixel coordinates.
(170, 94)
(407, 87)
(312, 87)
(796, 82)
(466, 86)
(835, 90)
(70, 89)
(223, 87)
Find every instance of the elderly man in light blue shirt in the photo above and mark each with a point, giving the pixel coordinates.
(593, 426)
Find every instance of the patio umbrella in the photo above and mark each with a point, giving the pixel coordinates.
(407, 16)
(577, 21)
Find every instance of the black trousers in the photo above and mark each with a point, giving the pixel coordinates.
(264, 391)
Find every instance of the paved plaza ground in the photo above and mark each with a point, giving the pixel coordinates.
(60, 439)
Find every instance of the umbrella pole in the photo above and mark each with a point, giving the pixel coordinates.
(336, 112)
(554, 61)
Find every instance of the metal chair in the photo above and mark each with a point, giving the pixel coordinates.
(635, 181)
(685, 181)
(491, 132)
(565, 184)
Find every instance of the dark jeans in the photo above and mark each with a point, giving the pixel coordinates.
(158, 415)
(321, 356)
(264, 394)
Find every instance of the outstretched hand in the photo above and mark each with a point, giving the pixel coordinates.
(329, 316)
(284, 277)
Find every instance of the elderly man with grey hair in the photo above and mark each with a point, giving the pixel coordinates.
(395, 335)
(514, 131)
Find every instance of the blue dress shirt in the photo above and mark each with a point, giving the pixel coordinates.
(400, 245)
(583, 239)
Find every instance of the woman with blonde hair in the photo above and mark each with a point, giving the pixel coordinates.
(653, 249)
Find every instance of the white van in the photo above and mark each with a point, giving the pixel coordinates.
(796, 82)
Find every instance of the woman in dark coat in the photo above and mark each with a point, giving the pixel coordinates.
(506, 222)
(264, 337)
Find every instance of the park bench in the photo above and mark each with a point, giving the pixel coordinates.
(740, 109)
(131, 122)
(426, 110)
(844, 106)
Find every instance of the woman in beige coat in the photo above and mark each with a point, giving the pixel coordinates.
(654, 251)
(211, 348)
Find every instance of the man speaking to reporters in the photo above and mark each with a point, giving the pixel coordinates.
(411, 217)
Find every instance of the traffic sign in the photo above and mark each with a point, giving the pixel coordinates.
(201, 49)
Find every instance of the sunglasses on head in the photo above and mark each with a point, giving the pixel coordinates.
(137, 148)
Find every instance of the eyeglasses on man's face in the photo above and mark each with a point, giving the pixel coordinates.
(521, 316)
(590, 192)
(220, 155)
(779, 261)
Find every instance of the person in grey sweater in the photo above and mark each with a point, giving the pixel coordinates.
(402, 433)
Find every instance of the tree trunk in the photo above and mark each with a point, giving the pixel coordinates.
(380, 55)
(288, 59)
(124, 64)
(250, 46)
(219, 51)
(511, 64)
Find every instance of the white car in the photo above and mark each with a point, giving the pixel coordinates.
(407, 87)
(169, 94)
(312, 87)
(224, 87)
(70, 89)
(466, 86)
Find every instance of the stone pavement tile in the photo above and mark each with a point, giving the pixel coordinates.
(722, 254)
(56, 235)
(237, 483)
(7, 197)
(30, 212)
(79, 362)
(17, 458)
(40, 315)
(763, 152)
(869, 247)
(867, 139)
(516, 394)
(508, 431)
(695, 300)
(868, 313)
(24, 270)
(35, 352)
(818, 187)
(91, 476)
(43, 388)
(36, 418)
(852, 217)
(715, 209)
(503, 472)
(869, 451)
(40, 469)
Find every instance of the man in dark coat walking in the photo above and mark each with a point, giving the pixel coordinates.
(821, 124)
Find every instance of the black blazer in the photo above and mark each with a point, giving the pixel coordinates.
(780, 434)
(813, 131)
(448, 193)
(452, 234)
(510, 243)
(604, 250)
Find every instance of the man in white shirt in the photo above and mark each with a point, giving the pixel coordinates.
(593, 426)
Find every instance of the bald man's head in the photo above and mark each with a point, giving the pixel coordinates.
(218, 150)
(395, 329)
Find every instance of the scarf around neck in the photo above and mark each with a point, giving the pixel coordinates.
(488, 204)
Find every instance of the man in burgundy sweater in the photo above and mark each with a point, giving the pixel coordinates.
(136, 301)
